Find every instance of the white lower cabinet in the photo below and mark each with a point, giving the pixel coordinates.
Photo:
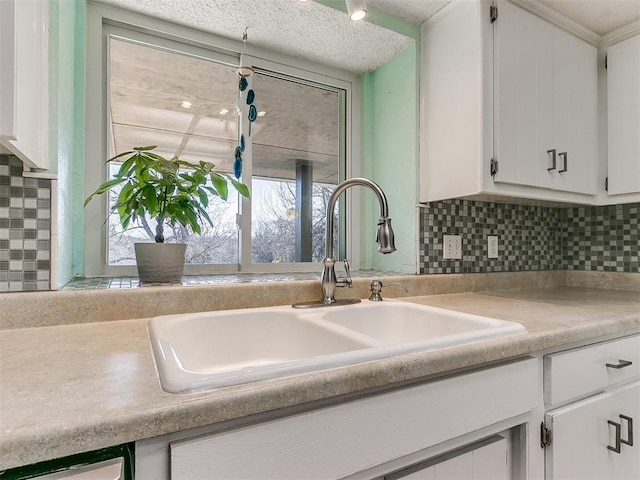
(593, 438)
(455, 423)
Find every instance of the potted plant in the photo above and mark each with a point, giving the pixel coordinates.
(170, 192)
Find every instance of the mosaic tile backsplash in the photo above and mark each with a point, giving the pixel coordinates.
(602, 238)
(530, 237)
(25, 229)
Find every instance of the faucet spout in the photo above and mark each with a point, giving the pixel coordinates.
(384, 235)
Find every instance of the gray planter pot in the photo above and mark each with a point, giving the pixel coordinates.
(160, 262)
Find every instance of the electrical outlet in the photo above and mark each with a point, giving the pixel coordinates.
(452, 246)
(492, 246)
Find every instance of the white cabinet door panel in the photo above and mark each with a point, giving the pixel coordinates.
(581, 434)
(545, 100)
(623, 116)
(523, 86)
(575, 116)
(24, 80)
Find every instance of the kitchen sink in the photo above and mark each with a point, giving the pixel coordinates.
(395, 323)
(201, 351)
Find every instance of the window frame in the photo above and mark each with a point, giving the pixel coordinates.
(103, 21)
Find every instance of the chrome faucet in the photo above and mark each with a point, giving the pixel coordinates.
(384, 238)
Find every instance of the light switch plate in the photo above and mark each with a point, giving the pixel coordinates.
(452, 247)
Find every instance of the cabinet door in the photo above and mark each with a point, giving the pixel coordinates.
(581, 434)
(24, 80)
(575, 113)
(523, 85)
(545, 101)
(623, 116)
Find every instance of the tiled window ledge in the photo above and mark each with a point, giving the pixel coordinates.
(102, 283)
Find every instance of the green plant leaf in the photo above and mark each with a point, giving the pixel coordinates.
(203, 213)
(120, 155)
(150, 199)
(127, 167)
(204, 198)
(104, 187)
(240, 187)
(220, 185)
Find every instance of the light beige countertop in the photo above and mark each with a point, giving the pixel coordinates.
(77, 387)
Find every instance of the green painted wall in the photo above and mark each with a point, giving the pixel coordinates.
(389, 117)
(66, 126)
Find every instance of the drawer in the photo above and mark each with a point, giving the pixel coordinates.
(582, 371)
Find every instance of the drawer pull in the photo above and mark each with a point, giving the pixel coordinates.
(553, 159)
(619, 365)
(618, 427)
(563, 155)
(629, 440)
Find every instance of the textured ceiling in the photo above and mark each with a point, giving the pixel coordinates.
(305, 30)
(414, 11)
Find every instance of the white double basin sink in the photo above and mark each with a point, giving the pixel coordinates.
(202, 351)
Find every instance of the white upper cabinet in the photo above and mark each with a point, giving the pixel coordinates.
(24, 80)
(623, 116)
(545, 105)
(510, 107)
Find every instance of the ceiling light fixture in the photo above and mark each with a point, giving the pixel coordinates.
(186, 104)
(224, 111)
(357, 9)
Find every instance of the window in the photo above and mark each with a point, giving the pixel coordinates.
(188, 111)
(296, 165)
(183, 97)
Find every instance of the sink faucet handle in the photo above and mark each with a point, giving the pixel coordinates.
(345, 281)
(376, 289)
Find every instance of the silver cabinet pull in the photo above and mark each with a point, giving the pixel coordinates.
(618, 427)
(621, 364)
(564, 160)
(629, 440)
(553, 159)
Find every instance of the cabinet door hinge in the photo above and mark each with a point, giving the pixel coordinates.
(493, 167)
(606, 184)
(545, 436)
(493, 13)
